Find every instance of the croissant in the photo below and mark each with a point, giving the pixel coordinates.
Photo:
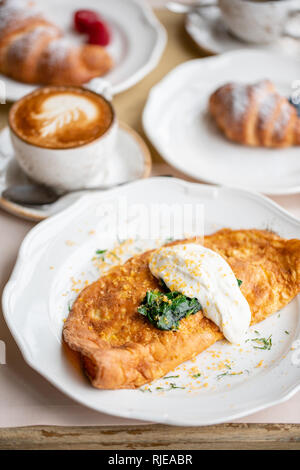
(34, 50)
(255, 115)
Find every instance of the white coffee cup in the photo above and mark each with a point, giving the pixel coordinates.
(67, 169)
(259, 22)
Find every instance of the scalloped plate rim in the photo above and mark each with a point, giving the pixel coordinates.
(69, 214)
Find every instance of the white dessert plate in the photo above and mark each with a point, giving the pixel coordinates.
(130, 160)
(177, 121)
(208, 31)
(56, 260)
(128, 19)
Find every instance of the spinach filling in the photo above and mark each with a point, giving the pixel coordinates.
(165, 309)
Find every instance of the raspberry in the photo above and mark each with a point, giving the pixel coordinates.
(84, 20)
(99, 34)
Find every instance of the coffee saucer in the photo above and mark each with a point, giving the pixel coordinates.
(131, 160)
(208, 31)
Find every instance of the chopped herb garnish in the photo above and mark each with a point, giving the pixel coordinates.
(195, 376)
(100, 252)
(265, 343)
(228, 373)
(145, 390)
(239, 282)
(171, 387)
(165, 310)
(256, 332)
(287, 332)
(115, 256)
(220, 376)
(171, 377)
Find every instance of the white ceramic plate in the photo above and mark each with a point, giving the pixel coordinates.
(129, 19)
(177, 122)
(208, 31)
(54, 260)
(130, 160)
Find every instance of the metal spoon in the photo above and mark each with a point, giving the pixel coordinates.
(36, 195)
(183, 7)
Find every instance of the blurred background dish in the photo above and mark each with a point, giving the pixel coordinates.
(34, 49)
(128, 20)
(209, 32)
(177, 121)
(260, 21)
(256, 115)
(129, 161)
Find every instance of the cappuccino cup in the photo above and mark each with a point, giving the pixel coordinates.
(63, 136)
(259, 21)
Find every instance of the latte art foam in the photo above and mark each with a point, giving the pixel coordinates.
(61, 118)
(61, 111)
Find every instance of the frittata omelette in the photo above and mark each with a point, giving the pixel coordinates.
(120, 348)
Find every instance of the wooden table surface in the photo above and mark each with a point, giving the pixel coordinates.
(156, 436)
(129, 105)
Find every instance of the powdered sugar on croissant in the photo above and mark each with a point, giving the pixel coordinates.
(255, 115)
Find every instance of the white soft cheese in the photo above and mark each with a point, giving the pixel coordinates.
(199, 272)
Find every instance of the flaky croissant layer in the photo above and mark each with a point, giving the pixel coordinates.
(255, 115)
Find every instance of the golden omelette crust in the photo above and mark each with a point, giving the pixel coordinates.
(121, 349)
